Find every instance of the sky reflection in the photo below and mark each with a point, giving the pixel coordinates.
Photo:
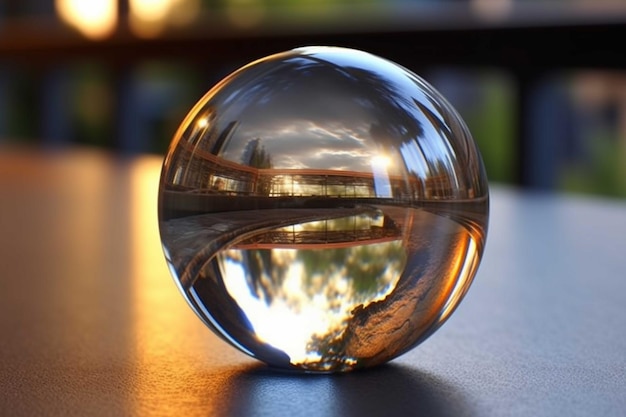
(329, 112)
(301, 144)
(308, 305)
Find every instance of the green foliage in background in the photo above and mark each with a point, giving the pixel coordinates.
(491, 123)
(604, 172)
(92, 106)
(23, 109)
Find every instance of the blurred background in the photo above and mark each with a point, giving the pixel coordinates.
(542, 85)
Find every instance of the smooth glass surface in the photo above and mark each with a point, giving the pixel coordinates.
(323, 209)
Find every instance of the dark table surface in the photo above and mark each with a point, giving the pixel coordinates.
(92, 324)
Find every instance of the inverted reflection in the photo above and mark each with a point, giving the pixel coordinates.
(298, 292)
(318, 291)
(323, 209)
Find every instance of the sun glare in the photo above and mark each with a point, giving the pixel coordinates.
(305, 305)
(202, 122)
(381, 161)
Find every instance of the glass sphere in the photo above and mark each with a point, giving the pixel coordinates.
(323, 209)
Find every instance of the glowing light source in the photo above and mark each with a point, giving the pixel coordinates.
(148, 18)
(382, 184)
(95, 19)
(328, 249)
(381, 161)
(300, 309)
(203, 122)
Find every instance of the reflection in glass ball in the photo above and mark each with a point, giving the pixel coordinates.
(323, 209)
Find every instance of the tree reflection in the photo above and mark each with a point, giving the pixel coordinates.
(364, 267)
(255, 155)
(332, 281)
(367, 270)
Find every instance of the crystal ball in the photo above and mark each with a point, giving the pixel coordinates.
(323, 209)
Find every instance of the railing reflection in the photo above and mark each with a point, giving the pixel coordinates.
(327, 233)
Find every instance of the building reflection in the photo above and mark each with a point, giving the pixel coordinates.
(371, 228)
(322, 231)
(268, 131)
(196, 170)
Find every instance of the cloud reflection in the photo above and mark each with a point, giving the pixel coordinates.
(301, 144)
(308, 107)
(320, 136)
(329, 111)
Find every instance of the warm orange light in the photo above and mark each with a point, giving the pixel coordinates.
(202, 123)
(160, 317)
(381, 161)
(95, 19)
(150, 10)
(148, 18)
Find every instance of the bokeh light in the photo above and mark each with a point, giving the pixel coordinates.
(96, 19)
(149, 18)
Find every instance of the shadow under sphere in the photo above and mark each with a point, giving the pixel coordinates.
(388, 390)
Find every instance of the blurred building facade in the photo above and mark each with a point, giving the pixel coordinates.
(578, 114)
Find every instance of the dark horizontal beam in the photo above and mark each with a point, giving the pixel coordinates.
(526, 48)
(516, 48)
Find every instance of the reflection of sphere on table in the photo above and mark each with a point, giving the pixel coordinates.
(323, 209)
